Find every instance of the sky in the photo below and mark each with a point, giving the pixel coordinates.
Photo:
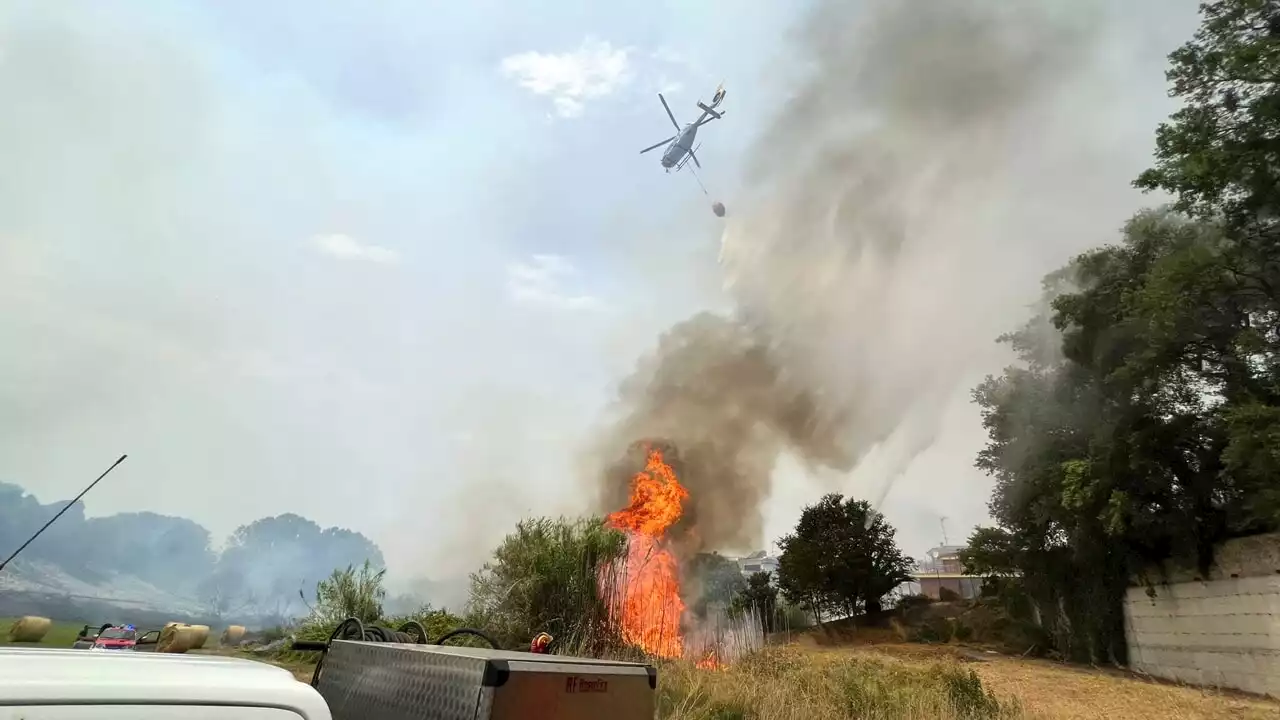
(384, 264)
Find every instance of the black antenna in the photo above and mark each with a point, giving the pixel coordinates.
(55, 517)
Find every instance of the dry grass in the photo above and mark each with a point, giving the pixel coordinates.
(1048, 690)
(1051, 690)
(790, 683)
(886, 680)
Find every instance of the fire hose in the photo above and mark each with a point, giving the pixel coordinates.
(412, 633)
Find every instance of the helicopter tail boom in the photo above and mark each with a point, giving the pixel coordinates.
(709, 111)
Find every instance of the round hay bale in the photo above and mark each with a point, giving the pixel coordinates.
(201, 636)
(233, 635)
(29, 629)
(176, 638)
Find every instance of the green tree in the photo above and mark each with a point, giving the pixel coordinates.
(711, 579)
(758, 595)
(803, 583)
(223, 593)
(1217, 156)
(841, 558)
(1133, 434)
(1085, 436)
(275, 557)
(1141, 422)
(1215, 153)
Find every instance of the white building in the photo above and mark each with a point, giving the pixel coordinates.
(943, 570)
(758, 562)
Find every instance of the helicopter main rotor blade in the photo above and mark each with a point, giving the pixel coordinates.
(669, 113)
(655, 146)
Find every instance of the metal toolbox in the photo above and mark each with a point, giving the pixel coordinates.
(392, 681)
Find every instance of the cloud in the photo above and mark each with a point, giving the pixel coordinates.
(667, 86)
(671, 72)
(669, 54)
(345, 247)
(594, 70)
(541, 281)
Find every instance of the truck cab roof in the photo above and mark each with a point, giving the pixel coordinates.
(47, 677)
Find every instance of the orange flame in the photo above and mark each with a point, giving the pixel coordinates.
(649, 607)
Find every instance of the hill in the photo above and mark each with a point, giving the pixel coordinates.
(152, 562)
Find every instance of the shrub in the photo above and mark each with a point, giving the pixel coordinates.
(946, 594)
(907, 602)
(935, 630)
(350, 593)
(273, 633)
(793, 617)
(545, 577)
(967, 697)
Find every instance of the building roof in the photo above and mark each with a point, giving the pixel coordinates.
(39, 675)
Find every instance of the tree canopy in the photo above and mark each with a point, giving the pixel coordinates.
(758, 595)
(841, 558)
(1140, 423)
(711, 579)
(1216, 154)
(274, 557)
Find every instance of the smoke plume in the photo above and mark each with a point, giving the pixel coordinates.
(893, 152)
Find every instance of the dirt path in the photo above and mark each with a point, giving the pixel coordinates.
(1055, 691)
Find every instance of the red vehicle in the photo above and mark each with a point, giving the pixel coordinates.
(116, 637)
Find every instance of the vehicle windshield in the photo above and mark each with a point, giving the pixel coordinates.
(117, 634)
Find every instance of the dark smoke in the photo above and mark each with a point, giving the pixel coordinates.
(889, 156)
(721, 409)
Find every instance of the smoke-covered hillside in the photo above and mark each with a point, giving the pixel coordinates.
(164, 563)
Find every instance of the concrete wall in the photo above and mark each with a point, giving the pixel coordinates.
(966, 587)
(1222, 630)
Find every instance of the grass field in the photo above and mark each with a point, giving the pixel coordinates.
(1044, 689)
(882, 679)
(63, 634)
(892, 681)
(60, 635)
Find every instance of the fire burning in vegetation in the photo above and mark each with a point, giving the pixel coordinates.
(648, 606)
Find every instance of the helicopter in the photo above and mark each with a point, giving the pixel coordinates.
(680, 148)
